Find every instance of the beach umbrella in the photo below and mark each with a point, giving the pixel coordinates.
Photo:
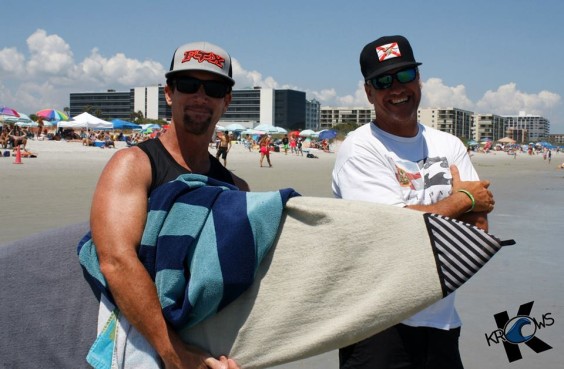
(250, 131)
(307, 133)
(236, 127)
(25, 121)
(281, 130)
(52, 115)
(6, 112)
(294, 133)
(327, 134)
(266, 128)
(219, 128)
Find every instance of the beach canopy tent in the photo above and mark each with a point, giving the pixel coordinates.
(123, 124)
(85, 120)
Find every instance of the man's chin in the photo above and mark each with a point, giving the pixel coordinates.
(196, 127)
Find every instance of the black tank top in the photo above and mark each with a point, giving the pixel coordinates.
(165, 169)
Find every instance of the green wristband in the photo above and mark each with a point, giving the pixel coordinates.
(471, 198)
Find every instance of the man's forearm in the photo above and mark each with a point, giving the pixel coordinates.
(136, 296)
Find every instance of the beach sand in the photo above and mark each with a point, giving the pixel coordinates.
(55, 189)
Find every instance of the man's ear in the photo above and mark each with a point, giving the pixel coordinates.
(168, 92)
(369, 93)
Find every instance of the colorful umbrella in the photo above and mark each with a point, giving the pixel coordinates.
(327, 134)
(52, 115)
(4, 110)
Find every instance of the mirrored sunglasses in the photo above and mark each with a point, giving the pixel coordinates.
(384, 81)
(213, 88)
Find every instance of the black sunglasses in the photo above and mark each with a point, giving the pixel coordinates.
(213, 88)
(384, 81)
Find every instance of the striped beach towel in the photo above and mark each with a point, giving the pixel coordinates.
(202, 244)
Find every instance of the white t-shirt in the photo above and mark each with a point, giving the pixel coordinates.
(373, 165)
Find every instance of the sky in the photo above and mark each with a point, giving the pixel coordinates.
(486, 56)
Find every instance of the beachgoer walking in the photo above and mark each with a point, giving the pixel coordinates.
(264, 149)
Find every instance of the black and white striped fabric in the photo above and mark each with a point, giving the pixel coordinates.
(461, 249)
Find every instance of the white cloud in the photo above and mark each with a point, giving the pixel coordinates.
(46, 73)
(49, 54)
(117, 70)
(436, 94)
(11, 62)
(507, 99)
(249, 79)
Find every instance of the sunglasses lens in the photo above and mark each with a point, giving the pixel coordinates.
(212, 88)
(187, 85)
(215, 89)
(406, 75)
(383, 81)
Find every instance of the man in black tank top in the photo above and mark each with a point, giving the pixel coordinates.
(198, 90)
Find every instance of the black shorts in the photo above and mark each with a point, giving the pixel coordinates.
(221, 151)
(402, 346)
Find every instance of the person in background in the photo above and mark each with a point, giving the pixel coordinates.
(264, 149)
(198, 89)
(396, 160)
(223, 147)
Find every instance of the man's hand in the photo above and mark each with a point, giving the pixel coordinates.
(484, 201)
(190, 357)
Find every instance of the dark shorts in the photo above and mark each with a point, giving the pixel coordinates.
(221, 151)
(402, 346)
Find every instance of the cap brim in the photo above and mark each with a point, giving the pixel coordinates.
(390, 67)
(171, 73)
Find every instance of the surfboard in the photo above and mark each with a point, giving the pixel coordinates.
(340, 272)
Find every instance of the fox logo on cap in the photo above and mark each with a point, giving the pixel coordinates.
(202, 56)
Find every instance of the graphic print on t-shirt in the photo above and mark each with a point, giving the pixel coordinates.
(429, 178)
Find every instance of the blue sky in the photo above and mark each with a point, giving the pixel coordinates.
(487, 56)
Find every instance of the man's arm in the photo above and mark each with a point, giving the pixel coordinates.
(118, 216)
(458, 203)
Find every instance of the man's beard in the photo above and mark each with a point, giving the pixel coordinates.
(194, 126)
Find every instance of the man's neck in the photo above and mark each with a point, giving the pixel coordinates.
(188, 150)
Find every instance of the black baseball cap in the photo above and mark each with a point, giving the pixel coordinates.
(384, 54)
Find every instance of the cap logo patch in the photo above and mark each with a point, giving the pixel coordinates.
(202, 56)
(388, 51)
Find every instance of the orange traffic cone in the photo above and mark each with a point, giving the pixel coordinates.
(18, 156)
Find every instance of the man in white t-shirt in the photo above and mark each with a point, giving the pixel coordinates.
(397, 161)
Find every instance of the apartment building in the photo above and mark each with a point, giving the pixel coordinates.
(488, 126)
(535, 127)
(455, 121)
(331, 116)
